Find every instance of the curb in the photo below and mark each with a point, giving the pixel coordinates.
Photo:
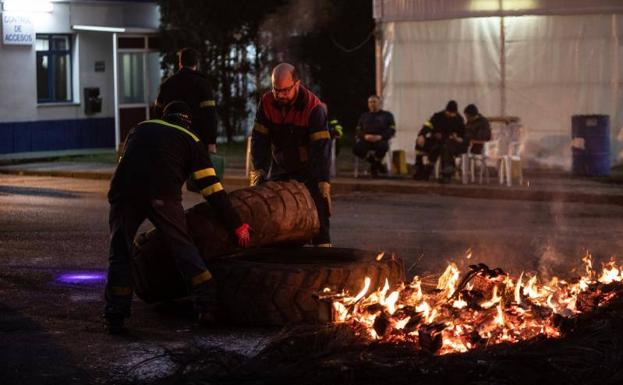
(389, 187)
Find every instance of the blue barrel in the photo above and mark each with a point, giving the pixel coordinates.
(590, 147)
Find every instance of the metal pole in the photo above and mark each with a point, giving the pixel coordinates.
(115, 76)
(247, 162)
(502, 67)
(378, 56)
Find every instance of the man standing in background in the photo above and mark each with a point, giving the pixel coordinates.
(192, 87)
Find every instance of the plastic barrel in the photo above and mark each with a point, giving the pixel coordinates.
(590, 148)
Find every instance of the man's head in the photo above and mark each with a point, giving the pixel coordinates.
(178, 112)
(471, 110)
(285, 83)
(189, 57)
(374, 103)
(452, 108)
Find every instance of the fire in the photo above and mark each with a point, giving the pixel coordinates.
(481, 308)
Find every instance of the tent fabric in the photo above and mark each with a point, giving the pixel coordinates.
(543, 69)
(417, 10)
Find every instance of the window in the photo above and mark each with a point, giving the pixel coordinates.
(131, 77)
(53, 68)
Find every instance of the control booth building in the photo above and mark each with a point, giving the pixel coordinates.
(75, 75)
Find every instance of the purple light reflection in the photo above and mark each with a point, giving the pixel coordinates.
(82, 277)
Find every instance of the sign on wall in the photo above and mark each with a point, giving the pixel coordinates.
(17, 29)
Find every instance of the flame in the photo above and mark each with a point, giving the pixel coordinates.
(448, 280)
(468, 315)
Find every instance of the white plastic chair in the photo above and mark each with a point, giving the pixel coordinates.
(515, 149)
(490, 152)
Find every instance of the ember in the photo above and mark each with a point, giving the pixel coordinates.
(484, 307)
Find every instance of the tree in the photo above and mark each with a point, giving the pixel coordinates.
(226, 33)
(329, 41)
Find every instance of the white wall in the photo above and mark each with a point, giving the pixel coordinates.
(555, 67)
(18, 64)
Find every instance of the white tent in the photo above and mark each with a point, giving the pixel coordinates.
(540, 60)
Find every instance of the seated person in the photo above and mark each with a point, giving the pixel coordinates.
(442, 135)
(477, 130)
(374, 130)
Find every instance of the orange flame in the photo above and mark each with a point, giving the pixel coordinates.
(495, 309)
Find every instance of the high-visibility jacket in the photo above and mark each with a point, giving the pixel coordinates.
(292, 139)
(193, 88)
(376, 123)
(158, 157)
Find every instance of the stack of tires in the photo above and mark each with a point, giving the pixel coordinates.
(277, 280)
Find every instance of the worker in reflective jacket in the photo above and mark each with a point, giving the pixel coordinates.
(192, 87)
(291, 140)
(440, 136)
(157, 158)
(374, 130)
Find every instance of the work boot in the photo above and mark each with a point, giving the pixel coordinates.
(205, 299)
(422, 172)
(373, 170)
(113, 322)
(445, 179)
(381, 168)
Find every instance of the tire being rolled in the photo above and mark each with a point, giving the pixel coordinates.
(278, 212)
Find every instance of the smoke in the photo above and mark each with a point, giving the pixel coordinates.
(296, 18)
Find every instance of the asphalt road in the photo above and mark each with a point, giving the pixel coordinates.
(50, 330)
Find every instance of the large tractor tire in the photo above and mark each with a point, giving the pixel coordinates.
(280, 286)
(277, 286)
(280, 213)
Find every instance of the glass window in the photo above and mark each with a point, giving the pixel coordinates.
(131, 78)
(154, 75)
(53, 68)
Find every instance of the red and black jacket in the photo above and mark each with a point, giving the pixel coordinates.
(294, 139)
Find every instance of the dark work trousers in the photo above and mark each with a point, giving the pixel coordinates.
(362, 148)
(324, 235)
(449, 150)
(431, 149)
(126, 215)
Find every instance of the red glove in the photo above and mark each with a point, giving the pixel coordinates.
(243, 233)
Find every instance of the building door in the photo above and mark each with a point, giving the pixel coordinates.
(139, 74)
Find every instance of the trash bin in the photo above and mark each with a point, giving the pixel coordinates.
(590, 145)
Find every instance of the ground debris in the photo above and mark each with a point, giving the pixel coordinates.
(589, 352)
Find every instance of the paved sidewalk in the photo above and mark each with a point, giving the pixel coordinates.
(540, 186)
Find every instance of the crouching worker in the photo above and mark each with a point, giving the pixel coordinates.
(441, 136)
(158, 157)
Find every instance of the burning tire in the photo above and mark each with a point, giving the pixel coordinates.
(278, 286)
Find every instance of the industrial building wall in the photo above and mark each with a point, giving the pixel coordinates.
(547, 69)
(25, 124)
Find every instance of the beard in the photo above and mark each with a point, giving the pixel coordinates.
(284, 101)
